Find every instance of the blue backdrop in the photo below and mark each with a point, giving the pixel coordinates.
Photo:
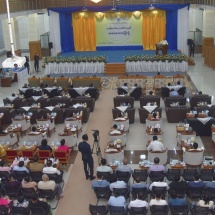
(66, 29)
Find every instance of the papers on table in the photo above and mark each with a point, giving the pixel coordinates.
(81, 90)
(23, 89)
(50, 108)
(77, 105)
(35, 98)
(49, 88)
(204, 120)
(150, 108)
(26, 108)
(11, 98)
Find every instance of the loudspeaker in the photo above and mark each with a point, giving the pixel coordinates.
(50, 45)
(9, 54)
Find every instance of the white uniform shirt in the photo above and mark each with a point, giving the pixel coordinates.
(156, 146)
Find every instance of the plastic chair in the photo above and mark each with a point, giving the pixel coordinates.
(162, 190)
(138, 211)
(28, 154)
(195, 192)
(123, 176)
(102, 193)
(159, 209)
(116, 210)
(63, 158)
(98, 209)
(142, 174)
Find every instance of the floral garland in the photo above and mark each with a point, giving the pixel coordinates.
(92, 59)
(156, 58)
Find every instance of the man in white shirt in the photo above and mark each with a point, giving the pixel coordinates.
(195, 147)
(117, 200)
(155, 145)
(104, 167)
(49, 169)
(138, 202)
(115, 130)
(157, 200)
(159, 183)
(124, 167)
(118, 184)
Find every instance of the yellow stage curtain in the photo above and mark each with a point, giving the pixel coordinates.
(154, 28)
(84, 30)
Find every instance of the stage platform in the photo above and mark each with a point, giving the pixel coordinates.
(115, 56)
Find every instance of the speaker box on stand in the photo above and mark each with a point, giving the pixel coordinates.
(50, 45)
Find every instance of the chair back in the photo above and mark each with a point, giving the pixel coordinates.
(136, 190)
(39, 211)
(206, 174)
(49, 81)
(162, 190)
(122, 192)
(123, 176)
(188, 174)
(20, 175)
(195, 192)
(98, 209)
(125, 123)
(34, 82)
(159, 209)
(170, 175)
(136, 93)
(28, 154)
(161, 155)
(44, 154)
(62, 156)
(142, 174)
(121, 91)
(63, 82)
(116, 210)
(36, 176)
(11, 154)
(20, 210)
(138, 211)
(28, 193)
(105, 175)
(182, 209)
(193, 157)
(12, 191)
(70, 139)
(48, 194)
(102, 192)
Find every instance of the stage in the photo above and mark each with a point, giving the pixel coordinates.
(115, 60)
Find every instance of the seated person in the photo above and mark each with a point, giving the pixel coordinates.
(138, 184)
(63, 147)
(206, 201)
(21, 167)
(124, 167)
(115, 130)
(175, 201)
(155, 145)
(36, 203)
(34, 130)
(2, 131)
(49, 169)
(11, 182)
(3, 167)
(195, 147)
(44, 145)
(36, 166)
(178, 183)
(100, 182)
(27, 183)
(20, 202)
(159, 183)
(173, 93)
(197, 182)
(179, 84)
(157, 200)
(92, 86)
(120, 117)
(156, 166)
(118, 184)
(25, 86)
(104, 167)
(117, 200)
(139, 202)
(125, 86)
(71, 117)
(47, 184)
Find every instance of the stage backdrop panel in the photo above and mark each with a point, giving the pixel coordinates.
(118, 29)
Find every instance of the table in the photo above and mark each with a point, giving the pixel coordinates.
(31, 148)
(22, 74)
(58, 68)
(153, 121)
(14, 129)
(148, 66)
(150, 133)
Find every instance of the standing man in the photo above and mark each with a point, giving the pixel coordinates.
(36, 62)
(87, 158)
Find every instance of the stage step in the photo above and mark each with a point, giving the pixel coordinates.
(115, 69)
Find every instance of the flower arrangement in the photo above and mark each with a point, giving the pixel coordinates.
(93, 59)
(157, 58)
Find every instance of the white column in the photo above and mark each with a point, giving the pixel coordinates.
(208, 23)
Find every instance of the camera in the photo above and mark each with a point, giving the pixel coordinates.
(95, 135)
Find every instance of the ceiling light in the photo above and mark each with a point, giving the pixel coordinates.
(95, 1)
(151, 7)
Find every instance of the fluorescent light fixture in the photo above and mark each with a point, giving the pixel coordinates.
(95, 1)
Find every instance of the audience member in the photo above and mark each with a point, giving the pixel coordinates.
(21, 167)
(197, 182)
(155, 145)
(115, 130)
(44, 145)
(156, 166)
(173, 92)
(178, 183)
(124, 167)
(63, 147)
(125, 86)
(21, 202)
(210, 184)
(47, 184)
(36, 166)
(175, 201)
(3, 167)
(100, 182)
(159, 183)
(157, 200)
(104, 167)
(49, 169)
(138, 184)
(117, 200)
(27, 183)
(195, 146)
(139, 202)
(36, 203)
(118, 184)
(206, 202)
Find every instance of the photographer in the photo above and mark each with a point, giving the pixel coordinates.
(87, 158)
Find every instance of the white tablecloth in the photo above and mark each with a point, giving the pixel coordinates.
(56, 68)
(150, 108)
(144, 66)
(122, 108)
(81, 90)
(22, 75)
(176, 88)
(119, 156)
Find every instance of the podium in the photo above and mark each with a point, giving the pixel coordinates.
(161, 49)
